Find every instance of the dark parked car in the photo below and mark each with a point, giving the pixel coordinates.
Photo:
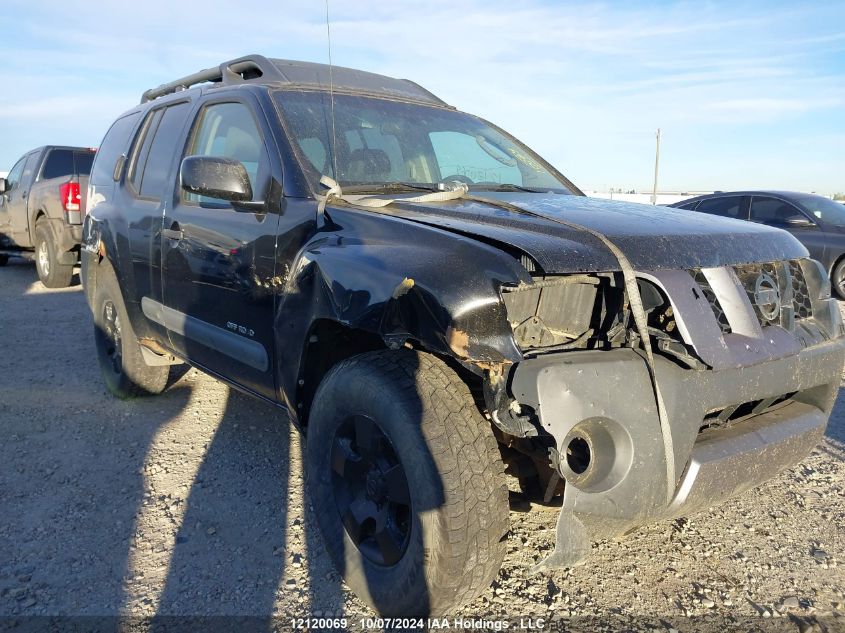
(817, 222)
(437, 307)
(41, 202)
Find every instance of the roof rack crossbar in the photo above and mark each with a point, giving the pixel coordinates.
(258, 69)
(234, 71)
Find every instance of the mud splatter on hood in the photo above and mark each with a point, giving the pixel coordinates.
(652, 237)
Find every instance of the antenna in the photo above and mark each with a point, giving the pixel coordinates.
(331, 93)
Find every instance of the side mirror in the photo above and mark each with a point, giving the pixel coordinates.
(4, 185)
(216, 177)
(799, 221)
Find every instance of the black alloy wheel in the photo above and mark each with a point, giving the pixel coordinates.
(371, 490)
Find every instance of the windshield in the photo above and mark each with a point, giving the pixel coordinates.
(823, 209)
(382, 142)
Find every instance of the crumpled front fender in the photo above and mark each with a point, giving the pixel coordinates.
(402, 281)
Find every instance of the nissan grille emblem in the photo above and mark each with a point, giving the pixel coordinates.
(767, 297)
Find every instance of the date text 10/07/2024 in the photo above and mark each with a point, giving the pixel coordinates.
(456, 623)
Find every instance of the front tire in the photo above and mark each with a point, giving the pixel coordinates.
(407, 483)
(51, 272)
(121, 362)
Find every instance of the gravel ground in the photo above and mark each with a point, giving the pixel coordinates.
(191, 504)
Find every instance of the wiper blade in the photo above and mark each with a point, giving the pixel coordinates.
(389, 187)
(505, 187)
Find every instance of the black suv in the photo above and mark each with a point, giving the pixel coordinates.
(41, 201)
(817, 222)
(437, 307)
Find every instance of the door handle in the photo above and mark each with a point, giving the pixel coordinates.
(173, 233)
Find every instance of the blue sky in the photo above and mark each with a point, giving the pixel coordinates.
(747, 94)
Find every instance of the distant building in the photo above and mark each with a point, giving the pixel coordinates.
(665, 197)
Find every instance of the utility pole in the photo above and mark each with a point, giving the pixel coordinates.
(656, 165)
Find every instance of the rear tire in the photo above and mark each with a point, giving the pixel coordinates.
(396, 443)
(51, 272)
(837, 279)
(121, 362)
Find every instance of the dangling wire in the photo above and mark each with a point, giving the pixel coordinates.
(331, 93)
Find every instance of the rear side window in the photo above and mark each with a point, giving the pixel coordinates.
(155, 150)
(114, 144)
(162, 151)
(689, 205)
(61, 163)
(142, 148)
(728, 207)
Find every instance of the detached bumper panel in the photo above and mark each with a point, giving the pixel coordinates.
(602, 400)
(730, 461)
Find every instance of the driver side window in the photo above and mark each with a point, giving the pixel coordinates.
(14, 176)
(460, 154)
(229, 130)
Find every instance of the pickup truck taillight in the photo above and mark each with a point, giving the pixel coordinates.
(71, 201)
(69, 193)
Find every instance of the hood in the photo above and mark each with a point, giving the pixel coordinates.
(651, 237)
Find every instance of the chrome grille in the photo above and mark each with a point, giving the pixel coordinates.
(713, 300)
(800, 294)
(782, 283)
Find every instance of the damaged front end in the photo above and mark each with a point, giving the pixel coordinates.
(748, 360)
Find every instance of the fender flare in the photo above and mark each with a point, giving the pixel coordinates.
(66, 257)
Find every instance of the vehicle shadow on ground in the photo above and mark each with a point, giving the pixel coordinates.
(86, 521)
(231, 546)
(88, 502)
(71, 482)
(249, 545)
(834, 444)
(248, 542)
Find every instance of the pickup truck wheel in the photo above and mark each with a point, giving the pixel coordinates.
(121, 362)
(51, 272)
(407, 483)
(4, 259)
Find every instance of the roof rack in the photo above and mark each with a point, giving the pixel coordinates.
(259, 69)
(240, 70)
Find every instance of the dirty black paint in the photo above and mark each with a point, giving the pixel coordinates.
(429, 274)
(652, 237)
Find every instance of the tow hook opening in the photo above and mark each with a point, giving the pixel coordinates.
(595, 455)
(578, 455)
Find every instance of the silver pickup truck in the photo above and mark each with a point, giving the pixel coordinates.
(41, 202)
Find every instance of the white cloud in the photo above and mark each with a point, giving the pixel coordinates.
(584, 83)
